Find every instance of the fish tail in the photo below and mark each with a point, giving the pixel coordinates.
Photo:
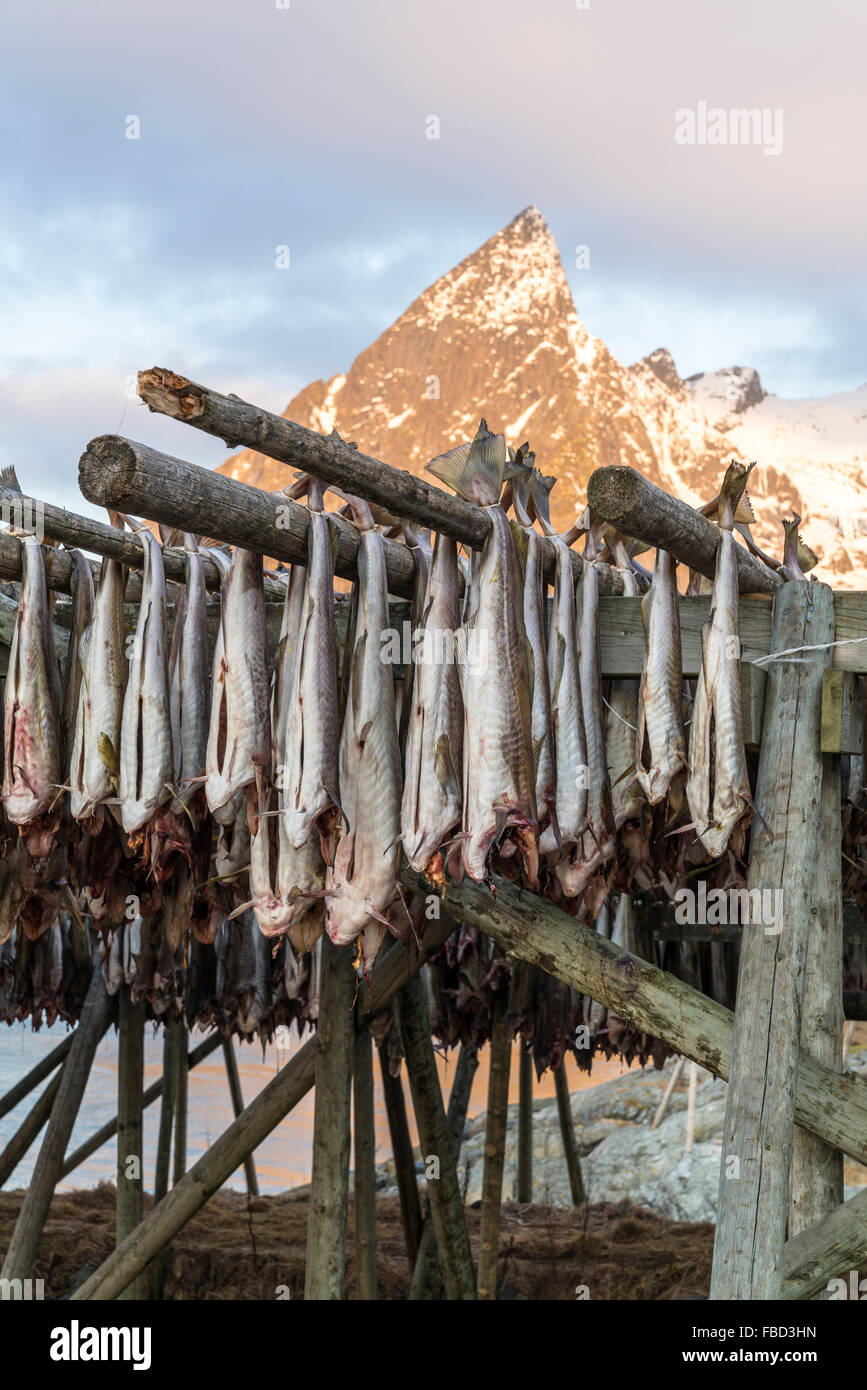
(474, 471)
(731, 495)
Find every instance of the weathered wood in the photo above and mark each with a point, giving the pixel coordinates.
(133, 477)
(245, 1134)
(816, 1179)
(760, 1103)
(239, 423)
(31, 1125)
(842, 723)
(171, 1042)
(524, 1191)
(25, 1239)
(527, 928)
(754, 680)
(364, 1155)
(404, 1158)
(567, 1131)
(827, 1251)
(690, 1108)
(446, 1204)
(237, 1096)
(153, 1092)
(44, 1067)
(179, 1156)
(426, 1270)
(673, 1079)
(638, 508)
(325, 1275)
(496, 1124)
(130, 1078)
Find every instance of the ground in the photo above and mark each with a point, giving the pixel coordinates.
(231, 1252)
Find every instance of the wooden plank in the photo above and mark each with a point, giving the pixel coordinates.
(827, 1251)
(754, 681)
(364, 1156)
(842, 713)
(760, 1103)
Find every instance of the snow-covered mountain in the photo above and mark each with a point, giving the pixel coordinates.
(499, 337)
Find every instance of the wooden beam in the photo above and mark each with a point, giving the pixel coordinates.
(44, 1067)
(115, 472)
(238, 423)
(760, 1102)
(364, 1164)
(403, 1155)
(26, 1133)
(567, 1132)
(237, 1097)
(842, 725)
(524, 1186)
(261, 1116)
(130, 1076)
(638, 508)
(496, 1125)
(528, 928)
(827, 1251)
(27, 1234)
(325, 1275)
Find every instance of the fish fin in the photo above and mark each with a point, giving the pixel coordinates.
(445, 767)
(478, 476)
(9, 479)
(732, 491)
(239, 911)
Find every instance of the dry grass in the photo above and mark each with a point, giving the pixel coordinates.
(232, 1251)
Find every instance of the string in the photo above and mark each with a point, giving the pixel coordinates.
(815, 647)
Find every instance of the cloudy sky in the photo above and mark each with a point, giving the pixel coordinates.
(302, 123)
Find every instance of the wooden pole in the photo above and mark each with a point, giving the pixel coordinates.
(446, 1205)
(816, 1181)
(157, 1273)
(325, 1276)
(153, 1092)
(426, 1270)
(404, 1159)
(527, 928)
(690, 1108)
(238, 1109)
(23, 1137)
(672, 1082)
(525, 1125)
(36, 1074)
(238, 423)
(23, 1245)
(179, 1163)
(260, 1117)
(365, 1170)
(638, 508)
(567, 1130)
(496, 1126)
(830, 1250)
(760, 1103)
(130, 1079)
(115, 472)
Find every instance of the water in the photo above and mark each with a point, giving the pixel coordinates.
(282, 1161)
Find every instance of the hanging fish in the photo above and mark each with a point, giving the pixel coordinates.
(146, 760)
(660, 741)
(570, 745)
(33, 700)
(431, 805)
(718, 785)
(362, 879)
(188, 666)
(313, 734)
(82, 615)
(239, 737)
(94, 763)
(499, 814)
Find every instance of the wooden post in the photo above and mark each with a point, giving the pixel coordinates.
(496, 1126)
(690, 1108)
(425, 1273)
(404, 1159)
(832, 1106)
(238, 1109)
(130, 1079)
(525, 1124)
(672, 1082)
(446, 1206)
(157, 1273)
(832, 1249)
(25, 1239)
(153, 1092)
(567, 1130)
(325, 1276)
(179, 1165)
(365, 1170)
(36, 1074)
(260, 1117)
(760, 1105)
(237, 422)
(816, 1182)
(30, 1127)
